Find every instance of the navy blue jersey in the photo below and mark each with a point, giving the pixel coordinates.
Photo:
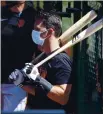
(58, 71)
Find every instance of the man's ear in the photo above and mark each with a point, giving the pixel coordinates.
(50, 32)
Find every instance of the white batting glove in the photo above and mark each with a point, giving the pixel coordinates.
(34, 71)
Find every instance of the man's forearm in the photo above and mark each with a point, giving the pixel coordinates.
(57, 93)
(29, 89)
(60, 93)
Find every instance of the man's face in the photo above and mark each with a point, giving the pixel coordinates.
(38, 26)
(18, 7)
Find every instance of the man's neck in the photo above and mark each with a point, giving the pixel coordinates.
(51, 45)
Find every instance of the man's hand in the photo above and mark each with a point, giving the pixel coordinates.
(34, 73)
(17, 77)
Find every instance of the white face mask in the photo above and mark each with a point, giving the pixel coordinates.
(37, 38)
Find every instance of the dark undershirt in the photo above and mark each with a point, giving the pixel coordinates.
(17, 46)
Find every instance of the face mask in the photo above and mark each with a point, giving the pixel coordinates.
(37, 38)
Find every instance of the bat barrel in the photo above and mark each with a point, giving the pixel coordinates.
(66, 36)
(92, 29)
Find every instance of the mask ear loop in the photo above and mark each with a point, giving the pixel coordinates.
(44, 32)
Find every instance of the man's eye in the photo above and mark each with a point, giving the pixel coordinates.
(17, 5)
(37, 29)
(44, 32)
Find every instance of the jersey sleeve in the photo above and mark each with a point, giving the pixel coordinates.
(61, 67)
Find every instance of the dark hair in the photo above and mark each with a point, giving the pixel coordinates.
(51, 20)
(13, 3)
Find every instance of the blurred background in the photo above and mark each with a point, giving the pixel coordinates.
(87, 92)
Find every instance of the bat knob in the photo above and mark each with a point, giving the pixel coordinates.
(28, 71)
(28, 68)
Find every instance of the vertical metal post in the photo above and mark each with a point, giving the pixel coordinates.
(79, 67)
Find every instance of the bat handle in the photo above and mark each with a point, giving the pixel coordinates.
(38, 58)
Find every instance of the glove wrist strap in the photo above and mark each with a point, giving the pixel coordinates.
(44, 83)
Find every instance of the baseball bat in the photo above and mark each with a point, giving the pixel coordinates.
(81, 36)
(66, 36)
